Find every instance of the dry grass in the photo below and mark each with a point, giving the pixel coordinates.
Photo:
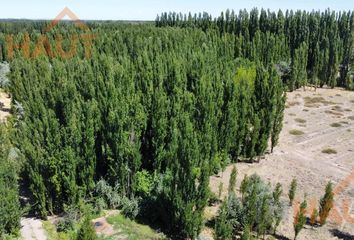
(337, 108)
(329, 151)
(292, 114)
(315, 101)
(347, 110)
(300, 120)
(351, 117)
(291, 104)
(296, 132)
(333, 113)
(305, 110)
(336, 125)
(352, 101)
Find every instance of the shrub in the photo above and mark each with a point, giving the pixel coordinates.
(100, 205)
(86, 231)
(130, 207)
(300, 120)
(329, 151)
(336, 125)
(110, 195)
(70, 217)
(143, 182)
(296, 132)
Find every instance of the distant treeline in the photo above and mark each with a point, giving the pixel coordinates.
(311, 47)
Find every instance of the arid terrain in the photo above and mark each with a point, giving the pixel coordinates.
(325, 122)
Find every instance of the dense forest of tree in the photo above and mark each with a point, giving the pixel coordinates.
(155, 110)
(318, 46)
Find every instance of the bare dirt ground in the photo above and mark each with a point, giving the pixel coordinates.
(326, 118)
(102, 227)
(5, 104)
(32, 229)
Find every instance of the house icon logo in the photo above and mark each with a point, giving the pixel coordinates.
(72, 16)
(44, 46)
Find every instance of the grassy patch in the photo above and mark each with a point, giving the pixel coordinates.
(347, 110)
(292, 114)
(296, 132)
(338, 95)
(53, 234)
(300, 120)
(131, 229)
(351, 117)
(336, 125)
(291, 104)
(329, 151)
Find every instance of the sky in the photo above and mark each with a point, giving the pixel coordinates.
(149, 9)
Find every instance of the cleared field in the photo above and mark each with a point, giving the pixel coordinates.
(301, 156)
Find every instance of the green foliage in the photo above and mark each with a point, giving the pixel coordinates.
(131, 229)
(300, 218)
(260, 211)
(130, 208)
(143, 182)
(314, 216)
(326, 203)
(86, 231)
(181, 103)
(70, 217)
(10, 210)
(232, 181)
(292, 191)
(223, 227)
(107, 196)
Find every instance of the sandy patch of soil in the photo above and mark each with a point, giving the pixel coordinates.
(101, 225)
(301, 157)
(32, 229)
(5, 105)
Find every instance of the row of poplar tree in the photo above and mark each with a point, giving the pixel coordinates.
(311, 47)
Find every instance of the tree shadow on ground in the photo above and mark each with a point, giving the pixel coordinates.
(280, 237)
(341, 235)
